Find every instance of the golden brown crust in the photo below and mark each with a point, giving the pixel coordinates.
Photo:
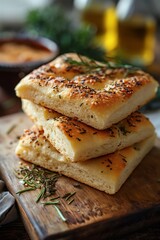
(99, 89)
(92, 95)
(78, 141)
(75, 130)
(106, 173)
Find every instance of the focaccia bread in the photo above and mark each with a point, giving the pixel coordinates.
(96, 94)
(79, 142)
(106, 173)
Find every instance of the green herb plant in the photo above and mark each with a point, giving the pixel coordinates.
(53, 22)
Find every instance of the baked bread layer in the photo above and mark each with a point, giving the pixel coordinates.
(96, 94)
(79, 142)
(106, 173)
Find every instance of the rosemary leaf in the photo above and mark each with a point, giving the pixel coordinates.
(67, 197)
(11, 129)
(52, 199)
(41, 194)
(60, 213)
(51, 203)
(25, 190)
(72, 200)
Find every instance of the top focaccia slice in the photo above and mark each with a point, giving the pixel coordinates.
(90, 91)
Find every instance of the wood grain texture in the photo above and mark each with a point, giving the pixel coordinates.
(93, 214)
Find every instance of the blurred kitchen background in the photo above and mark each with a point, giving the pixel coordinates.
(126, 30)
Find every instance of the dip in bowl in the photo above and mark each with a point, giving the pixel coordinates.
(19, 55)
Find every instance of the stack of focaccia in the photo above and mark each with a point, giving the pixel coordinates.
(86, 122)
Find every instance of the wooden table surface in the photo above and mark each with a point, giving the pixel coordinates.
(16, 230)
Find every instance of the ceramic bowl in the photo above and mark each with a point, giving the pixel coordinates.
(16, 63)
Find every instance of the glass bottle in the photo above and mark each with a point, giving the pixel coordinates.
(101, 14)
(136, 31)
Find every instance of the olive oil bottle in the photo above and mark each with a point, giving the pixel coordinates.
(136, 32)
(102, 16)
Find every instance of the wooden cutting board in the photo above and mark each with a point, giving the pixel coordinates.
(93, 214)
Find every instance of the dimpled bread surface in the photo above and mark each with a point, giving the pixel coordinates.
(106, 173)
(96, 95)
(79, 142)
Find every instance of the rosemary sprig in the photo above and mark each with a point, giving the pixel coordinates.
(88, 65)
(92, 65)
(38, 178)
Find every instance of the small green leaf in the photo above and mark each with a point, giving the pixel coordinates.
(25, 190)
(60, 213)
